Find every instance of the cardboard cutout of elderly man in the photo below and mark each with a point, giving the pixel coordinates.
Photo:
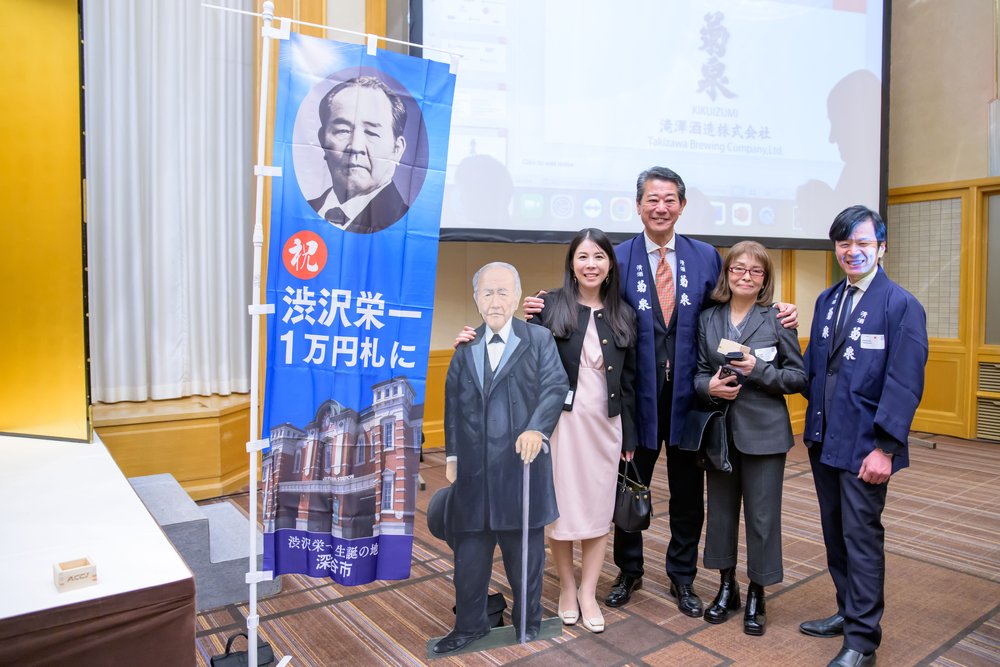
(503, 396)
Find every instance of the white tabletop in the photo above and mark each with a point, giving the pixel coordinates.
(61, 501)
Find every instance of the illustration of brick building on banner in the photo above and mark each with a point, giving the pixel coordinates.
(349, 474)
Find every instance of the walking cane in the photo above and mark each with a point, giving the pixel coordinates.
(525, 481)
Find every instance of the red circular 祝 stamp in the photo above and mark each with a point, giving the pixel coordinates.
(304, 255)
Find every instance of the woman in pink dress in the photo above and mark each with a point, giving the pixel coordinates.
(594, 330)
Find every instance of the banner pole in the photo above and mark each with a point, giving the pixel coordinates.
(253, 576)
(257, 309)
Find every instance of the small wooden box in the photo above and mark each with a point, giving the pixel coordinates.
(74, 574)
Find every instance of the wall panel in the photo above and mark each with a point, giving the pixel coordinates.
(43, 358)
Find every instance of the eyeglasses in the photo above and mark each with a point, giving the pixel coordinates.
(741, 271)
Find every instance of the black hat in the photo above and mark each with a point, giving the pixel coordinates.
(439, 515)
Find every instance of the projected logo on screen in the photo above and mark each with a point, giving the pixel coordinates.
(714, 38)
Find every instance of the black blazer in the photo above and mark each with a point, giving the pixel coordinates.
(620, 363)
(481, 424)
(383, 211)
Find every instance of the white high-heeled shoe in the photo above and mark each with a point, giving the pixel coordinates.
(570, 617)
(595, 624)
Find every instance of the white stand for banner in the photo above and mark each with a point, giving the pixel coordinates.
(258, 309)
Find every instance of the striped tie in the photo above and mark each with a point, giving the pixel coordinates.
(665, 287)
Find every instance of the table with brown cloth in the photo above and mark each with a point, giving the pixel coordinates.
(63, 501)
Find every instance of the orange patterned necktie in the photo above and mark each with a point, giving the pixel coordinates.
(665, 287)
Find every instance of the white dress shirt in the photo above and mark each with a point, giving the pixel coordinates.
(495, 350)
(862, 286)
(352, 207)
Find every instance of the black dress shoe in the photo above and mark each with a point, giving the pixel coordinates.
(754, 618)
(848, 657)
(727, 599)
(456, 640)
(687, 601)
(621, 592)
(824, 627)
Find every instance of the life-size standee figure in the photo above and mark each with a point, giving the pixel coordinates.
(503, 396)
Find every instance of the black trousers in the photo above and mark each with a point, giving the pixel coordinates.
(851, 515)
(686, 482)
(755, 482)
(474, 567)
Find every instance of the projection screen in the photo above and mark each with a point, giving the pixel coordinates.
(772, 111)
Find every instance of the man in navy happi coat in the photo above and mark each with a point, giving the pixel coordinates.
(667, 278)
(865, 364)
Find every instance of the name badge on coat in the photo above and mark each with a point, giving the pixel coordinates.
(872, 342)
(766, 353)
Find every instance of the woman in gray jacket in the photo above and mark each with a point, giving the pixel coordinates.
(760, 433)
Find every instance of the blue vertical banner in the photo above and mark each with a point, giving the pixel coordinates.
(362, 142)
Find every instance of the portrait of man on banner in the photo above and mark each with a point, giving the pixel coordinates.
(364, 151)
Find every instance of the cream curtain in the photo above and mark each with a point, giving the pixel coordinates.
(169, 122)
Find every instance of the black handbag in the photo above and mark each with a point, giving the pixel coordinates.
(705, 432)
(265, 656)
(633, 502)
